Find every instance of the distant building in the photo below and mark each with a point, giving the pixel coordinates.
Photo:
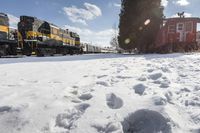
(198, 37)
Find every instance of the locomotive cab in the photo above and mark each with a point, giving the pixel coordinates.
(8, 45)
(4, 26)
(33, 31)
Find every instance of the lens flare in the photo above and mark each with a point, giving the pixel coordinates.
(147, 22)
(127, 41)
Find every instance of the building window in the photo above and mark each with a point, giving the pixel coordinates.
(171, 28)
(188, 27)
(180, 27)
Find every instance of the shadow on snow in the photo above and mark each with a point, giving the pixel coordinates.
(84, 57)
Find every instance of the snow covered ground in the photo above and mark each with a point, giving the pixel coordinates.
(101, 94)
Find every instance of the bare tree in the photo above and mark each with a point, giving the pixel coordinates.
(114, 40)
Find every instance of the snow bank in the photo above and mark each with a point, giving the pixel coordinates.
(104, 93)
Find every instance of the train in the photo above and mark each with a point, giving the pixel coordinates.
(88, 48)
(8, 46)
(36, 37)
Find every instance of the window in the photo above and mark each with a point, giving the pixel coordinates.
(55, 31)
(3, 21)
(188, 27)
(171, 28)
(180, 27)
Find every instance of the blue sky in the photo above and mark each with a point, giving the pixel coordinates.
(92, 19)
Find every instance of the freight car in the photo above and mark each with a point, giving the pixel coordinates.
(7, 46)
(88, 48)
(43, 38)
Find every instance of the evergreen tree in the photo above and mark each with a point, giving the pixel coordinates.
(140, 22)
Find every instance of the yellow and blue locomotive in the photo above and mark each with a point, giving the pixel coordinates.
(43, 38)
(8, 45)
(36, 37)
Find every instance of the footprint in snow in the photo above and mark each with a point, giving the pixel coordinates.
(155, 76)
(75, 87)
(164, 82)
(146, 121)
(11, 117)
(103, 83)
(85, 76)
(113, 101)
(142, 78)
(159, 100)
(124, 77)
(165, 69)
(101, 76)
(150, 70)
(67, 120)
(85, 97)
(139, 89)
(74, 92)
(5, 109)
(108, 128)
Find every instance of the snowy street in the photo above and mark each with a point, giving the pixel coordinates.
(103, 93)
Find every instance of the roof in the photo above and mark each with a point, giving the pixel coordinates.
(53, 25)
(3, 14)
(184, 19)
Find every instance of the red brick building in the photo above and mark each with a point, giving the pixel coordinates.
(178, 34)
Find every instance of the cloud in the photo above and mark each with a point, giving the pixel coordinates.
(100, 38)
(182, 2)
(116, 4)
(185, 14)
(82, 15)
(13, 20)
(164, 3)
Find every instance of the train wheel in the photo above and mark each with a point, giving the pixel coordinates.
(71, 52)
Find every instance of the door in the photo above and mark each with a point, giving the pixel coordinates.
(180, 30)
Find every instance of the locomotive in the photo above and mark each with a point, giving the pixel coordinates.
(37, 37)
(8, 45)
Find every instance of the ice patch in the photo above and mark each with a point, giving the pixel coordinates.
(113, 101)
(146, 121)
